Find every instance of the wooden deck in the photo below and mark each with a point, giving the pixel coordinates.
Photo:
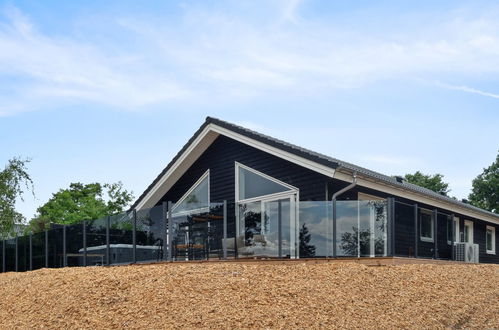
(376, 261)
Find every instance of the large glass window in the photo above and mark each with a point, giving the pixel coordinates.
(196, 199)
(490, 240)
(253, 184)
(426, 223)
(266, 223)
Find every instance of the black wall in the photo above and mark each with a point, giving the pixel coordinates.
(220, 158)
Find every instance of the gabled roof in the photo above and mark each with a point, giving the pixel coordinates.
(318, 158)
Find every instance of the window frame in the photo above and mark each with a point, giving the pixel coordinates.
(191, 189)
(457, 237)
(493, 229)
(471, 237)
(432, 219)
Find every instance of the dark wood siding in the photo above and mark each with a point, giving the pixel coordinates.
(220, 159)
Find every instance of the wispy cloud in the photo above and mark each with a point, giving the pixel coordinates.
(468, 90)
(209, 56)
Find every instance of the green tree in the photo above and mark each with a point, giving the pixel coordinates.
(14, 179)
(433, 182)
(81, 202)
(485, 191)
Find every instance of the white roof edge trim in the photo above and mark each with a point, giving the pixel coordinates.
(405, 193)
(325, 170)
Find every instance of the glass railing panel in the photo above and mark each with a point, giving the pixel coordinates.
(121, 238)
(347, 228)
(405, 244)
(10, 255)
(38, 248)
(315, 236)
(150, 234)
(198, 235)
(55, 246)
(96, 242)
(74, 245)
(444, 235)
(23, 253)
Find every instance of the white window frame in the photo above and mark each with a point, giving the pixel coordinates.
(293, 194)
(181, 199)
(423, 238)
(471, 239)
(493, 229)
(292, 189)
(456, 231)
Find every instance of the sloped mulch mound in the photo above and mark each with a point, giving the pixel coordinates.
(252, 295)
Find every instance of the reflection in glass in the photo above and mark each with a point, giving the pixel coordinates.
(265, 229)
(198, 236)
(198, 198)
(38, 246)
(315, 236)
(361, 228)
(96, 242)
(254, 185)
(150, 234)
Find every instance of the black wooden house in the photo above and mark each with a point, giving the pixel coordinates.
(284, 201)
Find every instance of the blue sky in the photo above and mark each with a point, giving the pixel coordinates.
(101, 92)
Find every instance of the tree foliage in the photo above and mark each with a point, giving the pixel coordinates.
(485, 191)
(14, 180)
(433, 182)
(81, 202)
(307, 250)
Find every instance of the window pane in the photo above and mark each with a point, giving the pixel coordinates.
(426, 226)
(254, 185)
(489, 239)
(197, 199)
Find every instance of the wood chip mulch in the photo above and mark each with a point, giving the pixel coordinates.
(252, 295)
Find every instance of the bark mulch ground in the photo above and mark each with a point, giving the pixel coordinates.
(252, 295)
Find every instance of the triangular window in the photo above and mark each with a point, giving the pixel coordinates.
(255, 184)
(197, 198)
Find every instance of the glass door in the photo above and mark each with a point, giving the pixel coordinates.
(267, 228)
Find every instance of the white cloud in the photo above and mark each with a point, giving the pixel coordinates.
(209, 56)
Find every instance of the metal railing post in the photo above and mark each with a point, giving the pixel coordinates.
(391, 225)
(416, 234)
(30, 251)
(435, 238)
(108, 241)
(170, 232)
(134, 236)
(64, 252)
(224, 241)
(334, 228)
(453, 224)
(279, 229)
(84, 243)
(17, 255)
(164, 210)
(46, 248)
(3, 256)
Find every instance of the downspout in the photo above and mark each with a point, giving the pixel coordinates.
(347, 188)
(333, 199)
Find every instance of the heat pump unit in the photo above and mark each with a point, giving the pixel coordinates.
(466, 252)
